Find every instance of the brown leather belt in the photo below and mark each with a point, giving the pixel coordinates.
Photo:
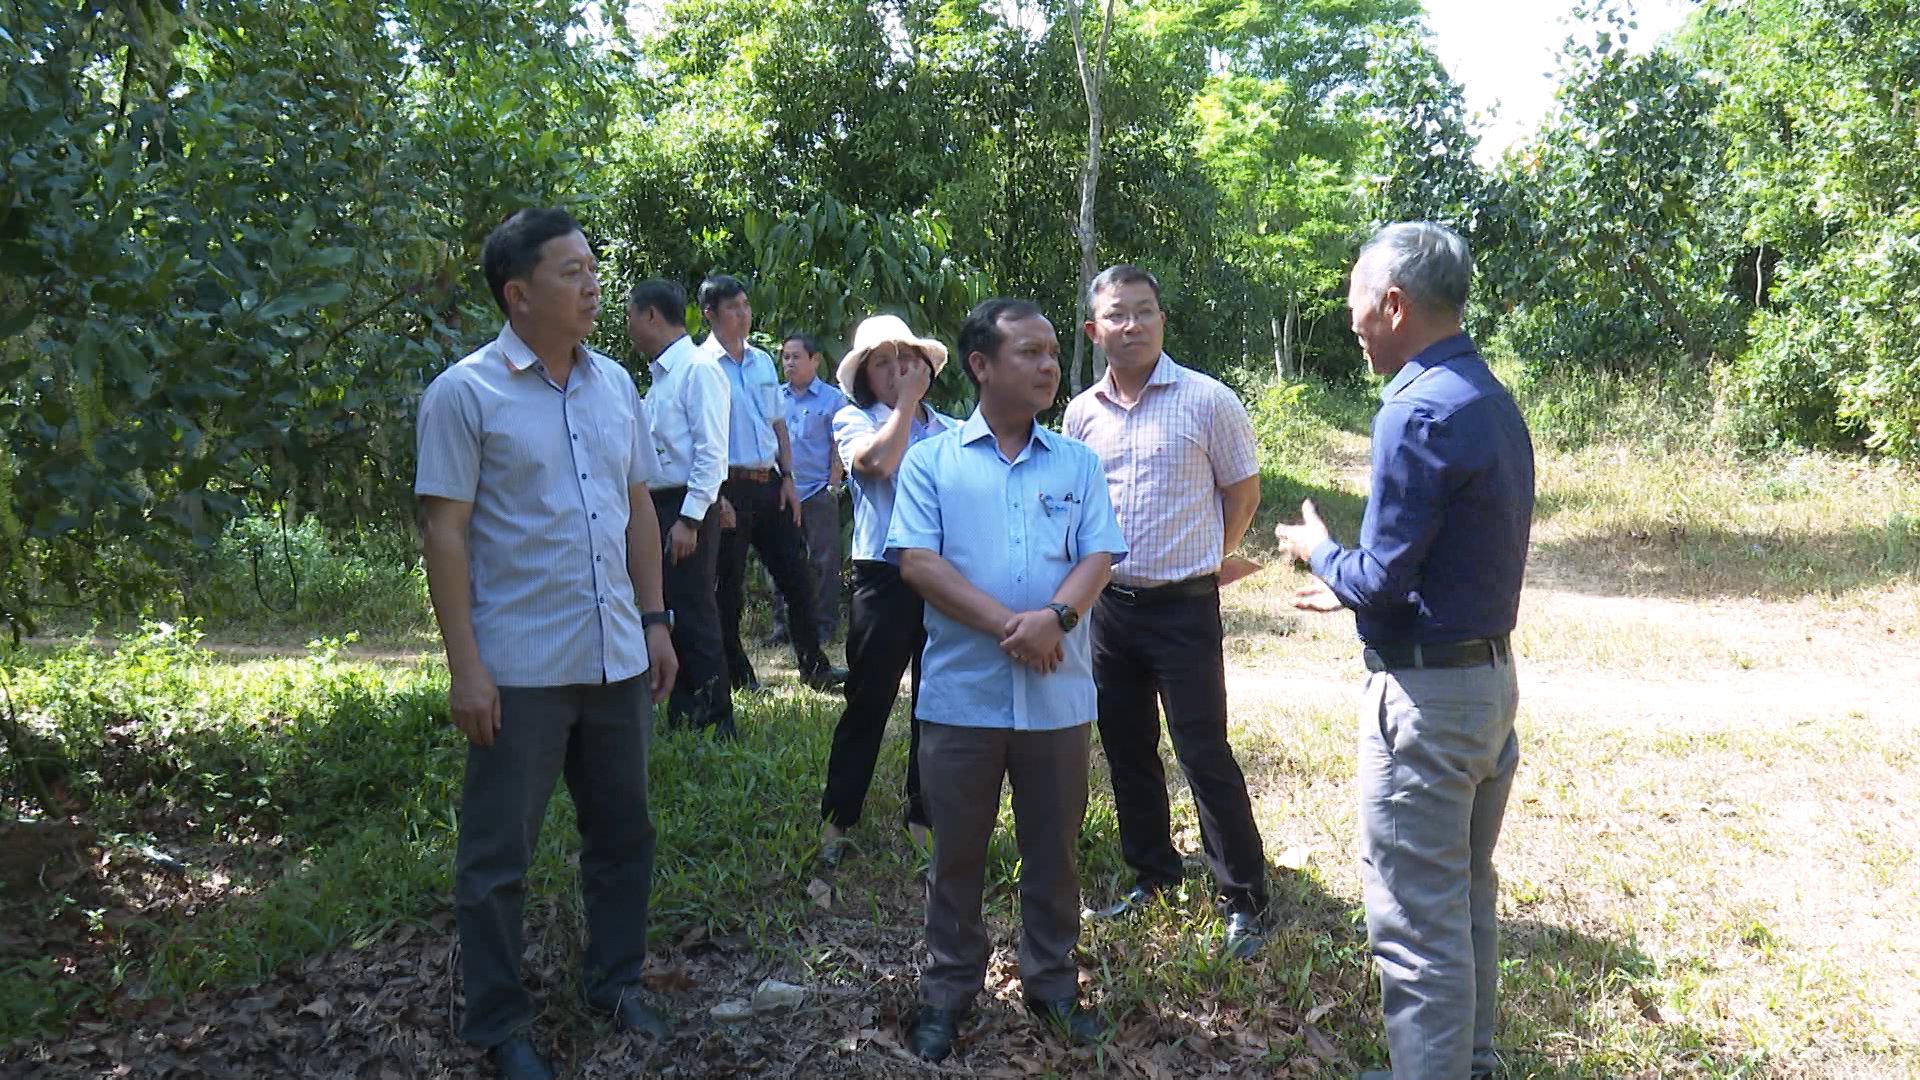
(758, 476)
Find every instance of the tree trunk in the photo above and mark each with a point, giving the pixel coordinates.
(1676, 323)
(1092, 69)
(1293, 336)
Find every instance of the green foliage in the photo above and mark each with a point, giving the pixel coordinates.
(262, 578)
(824, 270)
(1609, 244)
(1825, 168)
(237, 241)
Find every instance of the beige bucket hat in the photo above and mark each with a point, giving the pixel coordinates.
(881, 330)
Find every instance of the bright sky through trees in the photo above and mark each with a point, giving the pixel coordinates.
(1503, 54)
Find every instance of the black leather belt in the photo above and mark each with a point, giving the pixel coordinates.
(758, 476)
(1148, 595)
(1451, 654)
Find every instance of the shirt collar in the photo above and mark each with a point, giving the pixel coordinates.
(1432, 356)
(812, 389)
(713, 348)
(520, 356)
(1165, 373)
(976, 429)
(671, 355)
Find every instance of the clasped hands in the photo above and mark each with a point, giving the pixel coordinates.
(1032, 639)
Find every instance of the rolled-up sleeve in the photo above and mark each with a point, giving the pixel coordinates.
(448, 440)
(916, 503)
(706, 395)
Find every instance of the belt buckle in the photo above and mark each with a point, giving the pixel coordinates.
(1125, 594)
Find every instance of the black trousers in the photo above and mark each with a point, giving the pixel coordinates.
(760, 522)
(1170, 653)
(701, 694)
(886, 634)
(597, 737)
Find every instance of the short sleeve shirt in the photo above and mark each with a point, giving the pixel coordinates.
(1014, 529)
(754, 383)
(810, 414)
(547, 470)
(873, 495)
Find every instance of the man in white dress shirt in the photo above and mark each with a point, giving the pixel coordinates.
(688, 403)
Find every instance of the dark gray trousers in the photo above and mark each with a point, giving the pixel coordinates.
(961, 769)
(820, 525)
(597, 736)
(1436, 761)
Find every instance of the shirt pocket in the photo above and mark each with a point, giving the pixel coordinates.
(1059, 532)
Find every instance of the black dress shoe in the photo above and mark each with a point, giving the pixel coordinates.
(1081, 1026)
(632, 1015)
(1131, 903)
(516, 1059)
(1245, 936)
(933, 1032)
(825, 677)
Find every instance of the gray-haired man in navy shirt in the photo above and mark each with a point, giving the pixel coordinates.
(1434, 585)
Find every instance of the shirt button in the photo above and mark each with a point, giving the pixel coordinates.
(583, 476)
(576, 438)
(595, 517)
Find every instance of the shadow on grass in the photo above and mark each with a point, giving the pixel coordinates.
(1281, 494)
(1712, 563)
(1574, 1006)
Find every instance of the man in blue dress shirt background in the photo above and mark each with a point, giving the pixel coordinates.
(812, 403)
(1434, 585)
(1006, 530)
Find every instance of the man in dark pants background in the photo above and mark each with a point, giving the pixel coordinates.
(760, 489)
(687, 404)
(1180, 464)
(543, 563)
(1434, 585)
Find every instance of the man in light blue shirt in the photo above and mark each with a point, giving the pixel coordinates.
(760, 489)
(811, 403)
(1005, 529)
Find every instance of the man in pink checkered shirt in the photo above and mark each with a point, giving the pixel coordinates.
(1178, 452)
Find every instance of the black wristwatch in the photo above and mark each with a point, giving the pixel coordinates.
(1068, 617)
(651, 619)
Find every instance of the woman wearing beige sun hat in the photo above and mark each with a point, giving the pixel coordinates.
(886, 373)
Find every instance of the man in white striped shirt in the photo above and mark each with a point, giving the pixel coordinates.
(1179, 457)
